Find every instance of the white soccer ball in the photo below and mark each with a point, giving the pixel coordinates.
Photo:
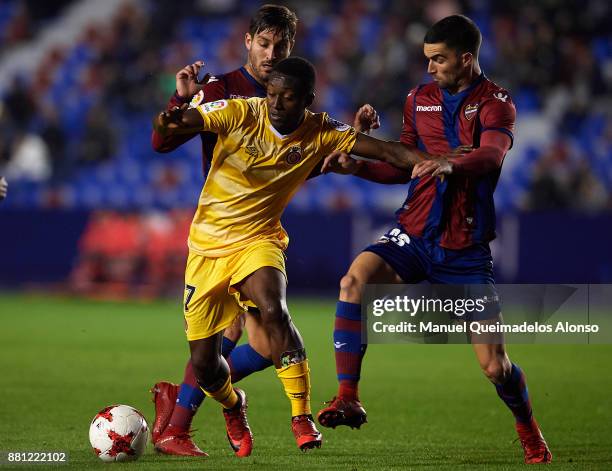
(118, 433)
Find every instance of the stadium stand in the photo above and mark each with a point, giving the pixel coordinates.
(77, 128)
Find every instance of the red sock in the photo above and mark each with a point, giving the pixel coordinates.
(189, 399)
(348, 390)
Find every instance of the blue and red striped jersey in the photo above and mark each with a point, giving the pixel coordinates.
(458, 211)
(236, 84)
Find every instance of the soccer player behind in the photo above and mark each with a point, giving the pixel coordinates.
(445, 225)
(266, 149)
(270, 38)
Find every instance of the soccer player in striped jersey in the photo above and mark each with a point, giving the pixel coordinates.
(447, 221)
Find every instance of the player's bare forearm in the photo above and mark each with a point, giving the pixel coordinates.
(488, 157)
(395, 153)
(178, 121)
(168, 143)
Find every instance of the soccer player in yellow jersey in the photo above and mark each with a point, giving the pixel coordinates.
(266, 149)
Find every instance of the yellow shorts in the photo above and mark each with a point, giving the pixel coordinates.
(211, 303)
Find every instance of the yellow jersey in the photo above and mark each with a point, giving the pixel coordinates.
(254, 173)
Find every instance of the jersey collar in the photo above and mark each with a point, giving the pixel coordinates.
(464, 93)
(277, 133)
(260, 90)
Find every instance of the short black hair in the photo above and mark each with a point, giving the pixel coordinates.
(300, 70)
(458, 32)
(277, 18)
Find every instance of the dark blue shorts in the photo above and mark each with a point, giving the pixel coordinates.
(416, 260)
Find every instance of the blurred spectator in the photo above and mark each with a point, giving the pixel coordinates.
(110, 255)
(3, 188)
(98, 142)
(127, 254)
(55, 139)
(562, 180)
(29, 158)
(19, 104)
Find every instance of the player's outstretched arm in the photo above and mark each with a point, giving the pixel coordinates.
(366, 119)
(488, 157)
(187, 85)
(392, 152)
(178, 121)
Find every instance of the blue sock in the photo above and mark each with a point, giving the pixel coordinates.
(348, 347)
(244, 360)
(227, 347)
(514, 393)
(190, 394)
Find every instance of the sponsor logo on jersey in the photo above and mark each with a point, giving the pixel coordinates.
(501, 96)
(470, 110)
(213, 106)
(337, 125)
(429, 108)
(196, 99)
(294, 155)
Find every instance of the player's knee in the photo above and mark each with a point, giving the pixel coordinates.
(351, 287)
(496, 370)
(273, 314)
(206, 365)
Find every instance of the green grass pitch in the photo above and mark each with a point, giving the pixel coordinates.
(429, 407)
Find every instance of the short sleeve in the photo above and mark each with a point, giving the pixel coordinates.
(222, 116)
(337, 135)
(499, 114)
(409, 133)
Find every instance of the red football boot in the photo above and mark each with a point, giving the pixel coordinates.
(164, 397)
(306, 434)
(174, 441)
(342, 412)
(237, 426)
(534, 445)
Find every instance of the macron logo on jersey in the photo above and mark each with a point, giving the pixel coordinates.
(429, 108)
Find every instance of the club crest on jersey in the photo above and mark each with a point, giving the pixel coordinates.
(213, 106)
(197, 99)
(337, 125)
(294, 155)
(470, 110)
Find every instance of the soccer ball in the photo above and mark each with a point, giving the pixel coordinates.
(118, 433)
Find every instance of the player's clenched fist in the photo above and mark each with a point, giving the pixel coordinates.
(187, 83)
(340, 162)
(178, 120)
(366, 119)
